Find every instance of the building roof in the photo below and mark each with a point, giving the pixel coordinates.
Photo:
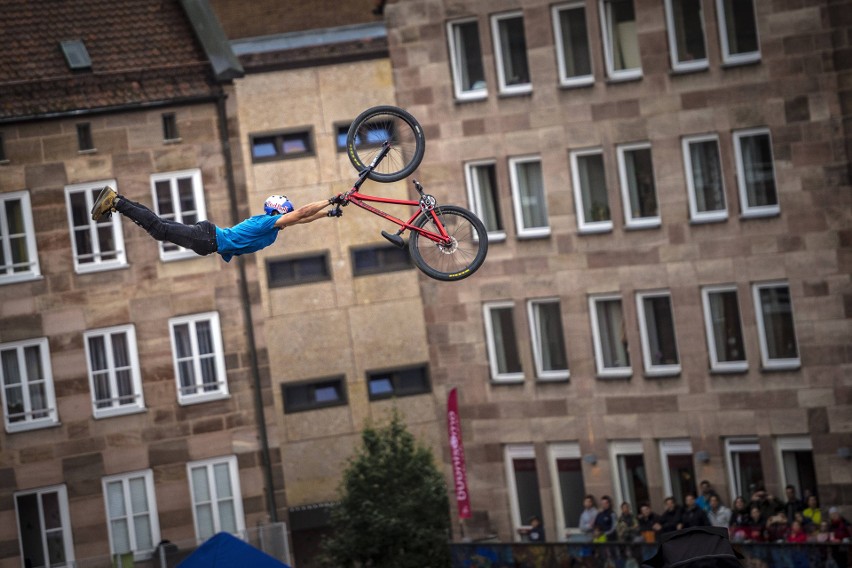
(142, 52)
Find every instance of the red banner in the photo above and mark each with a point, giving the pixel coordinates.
(457, 455)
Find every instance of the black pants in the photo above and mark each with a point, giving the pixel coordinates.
(200, 238)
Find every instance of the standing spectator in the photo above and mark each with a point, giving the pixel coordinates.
(605, 521)
(812, 511)
(647, 519)
(707, 491)
(739, 512)
(670, 518)
(794, 504)
(692, 515)
(777, 528)
(719, 515)
(627, 526)
(766, 502)
(797, 533)
(756, 526)
(840, 530)
(824, 533)
(536, 531)
(587, 518)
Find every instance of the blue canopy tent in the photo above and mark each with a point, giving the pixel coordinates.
(224, 550)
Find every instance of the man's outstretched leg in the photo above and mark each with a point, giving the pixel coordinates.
(200, 238)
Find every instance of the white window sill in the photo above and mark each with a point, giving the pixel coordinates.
(615, 373)
(644, 223)
(577, 82)
(469, 96)
(729, 368)
(595, 228)
(659, 371)
(507, 379)
(99, 413)
(100, 267)
(29, 426)
(706, 219)
(781, 365)
(538, 233)
(188, 400)
(554, 376)
(760, 212)
(20, 277)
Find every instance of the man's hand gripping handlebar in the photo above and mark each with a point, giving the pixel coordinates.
(338, 200)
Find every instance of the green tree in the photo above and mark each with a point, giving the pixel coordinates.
(393, 510)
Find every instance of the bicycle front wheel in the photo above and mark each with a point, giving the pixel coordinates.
(381, 124)
(465, 253)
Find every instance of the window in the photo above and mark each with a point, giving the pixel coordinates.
(631, 476)
(796, 458)
(292, 271)
(569, 489)
(774, 307)
(481, 178)
(217, 505)
(529, 197)
(685, 22)
(657, 329)
(199, 359)
(18, 254)
(590, 194)
(636, 173)
(548, 339)
(738, 31)
(398, 382)
(706, 189)
(510, 50)
(44, 527)
(131, 510)
(621, 43)
(572, 45)
(466, 60)
(522, 478)
(76, 54)
(315, 394)
(724, 329)
(3, 158)
(178, 196)
(28, 397)
(282, 145)
(341, 132)
(377, 259)
(678, 469)
(84, 137)
(170, 127)
(745, 472)
(114, 371)
(756, 173)
(612, 356)
(503, 355)
(96, 245)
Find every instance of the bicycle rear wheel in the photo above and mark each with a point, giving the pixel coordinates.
(451, 262)
(377, 125)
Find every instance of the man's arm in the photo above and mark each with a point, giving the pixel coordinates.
(304, 214)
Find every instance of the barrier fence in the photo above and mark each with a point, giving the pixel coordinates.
(618, 555)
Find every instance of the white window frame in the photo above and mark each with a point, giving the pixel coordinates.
(756, 210)
(124, 478)
(474, 194)
(767, 363)
(564, 80)
(116, 409)
(65, 519)
(219, 358)
(738, 58)
(555, 452)
(535, 333)
(462, 95)
(505, 89)
(208, 464)
(734, 446)
(522, 231)
(583, 224)
(629, 221)
(201, 208)
(512, 452)
(611, 73)
(677, 64)
(674, 447)
(52, 417)
(603, 372)
(696, 216)
(7, 274)
(496, 376)
(622, 448)
(712, 348)
(783, 444)
(651, 369)
(90, 190)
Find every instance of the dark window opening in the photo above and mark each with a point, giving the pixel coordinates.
(323, 393)
(76, 55)
(170, 128)
(398, 382)
(299, 270)
(3, 157)
(84, 137)
(378, 259)
(341, 132)
(282, 145)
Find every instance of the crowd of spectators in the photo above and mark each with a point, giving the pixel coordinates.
(762, 519)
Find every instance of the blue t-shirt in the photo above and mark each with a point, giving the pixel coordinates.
(248, 236)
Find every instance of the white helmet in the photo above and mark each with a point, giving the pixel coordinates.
(277, 205)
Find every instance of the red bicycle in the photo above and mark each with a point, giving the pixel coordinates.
(386, 144)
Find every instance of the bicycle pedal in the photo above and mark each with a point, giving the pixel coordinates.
(394, 239)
